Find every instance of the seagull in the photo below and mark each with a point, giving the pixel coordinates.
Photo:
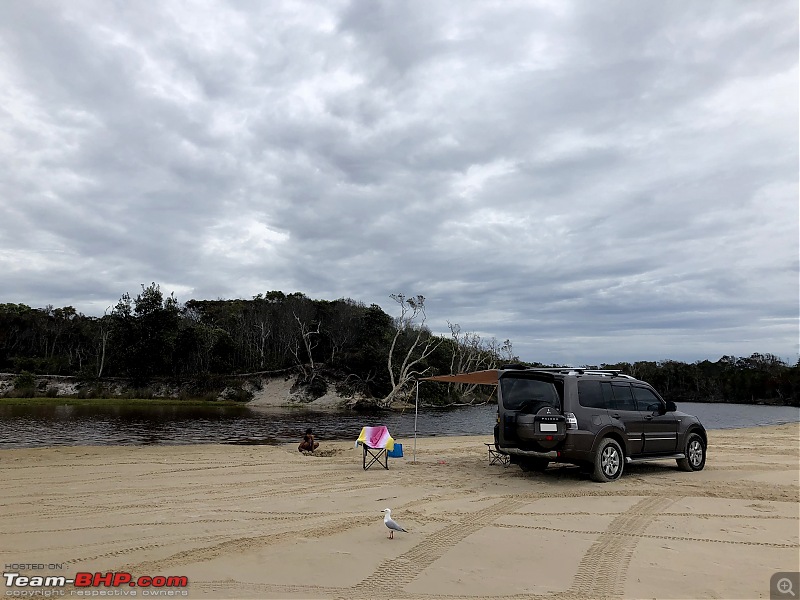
(391, 523)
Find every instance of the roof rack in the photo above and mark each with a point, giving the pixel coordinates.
(610, 372)
(577, 371)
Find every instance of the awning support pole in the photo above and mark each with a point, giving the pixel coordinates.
(416, 410)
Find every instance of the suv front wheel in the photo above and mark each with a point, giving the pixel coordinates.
(608, 461)
(695, 452)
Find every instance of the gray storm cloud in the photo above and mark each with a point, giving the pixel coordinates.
(597, 182)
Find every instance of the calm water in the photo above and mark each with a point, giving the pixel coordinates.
(25, 427)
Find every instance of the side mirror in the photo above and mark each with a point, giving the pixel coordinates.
(671, 406)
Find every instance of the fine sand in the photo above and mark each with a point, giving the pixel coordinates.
(269, 522)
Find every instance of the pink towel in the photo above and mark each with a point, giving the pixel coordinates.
(376, 437)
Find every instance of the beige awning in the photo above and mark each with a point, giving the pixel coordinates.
(487, 377)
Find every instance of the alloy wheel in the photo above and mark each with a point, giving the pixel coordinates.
(695, 452)
(610, 461)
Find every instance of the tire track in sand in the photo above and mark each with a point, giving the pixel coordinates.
(638, 535)
(392, 575)
(243, 544)
(604, 568)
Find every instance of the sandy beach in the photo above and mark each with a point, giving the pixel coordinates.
(269, 522)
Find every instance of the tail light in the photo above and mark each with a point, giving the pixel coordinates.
(572, 421)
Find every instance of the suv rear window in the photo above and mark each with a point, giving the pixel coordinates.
(528, 395)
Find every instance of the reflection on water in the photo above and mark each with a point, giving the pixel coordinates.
(86, 424)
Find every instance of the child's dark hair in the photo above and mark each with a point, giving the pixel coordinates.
(308, 431)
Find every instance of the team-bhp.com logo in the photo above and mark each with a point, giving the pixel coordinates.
(88, 584)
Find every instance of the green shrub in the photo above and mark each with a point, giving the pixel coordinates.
(25, 380)
(318, 387)
(92, 391)
(31, 364)
(187, 396)
(142, 392)
(237, 394)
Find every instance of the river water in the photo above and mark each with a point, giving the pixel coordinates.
(105, 425)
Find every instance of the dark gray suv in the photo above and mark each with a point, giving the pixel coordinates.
(599, 419)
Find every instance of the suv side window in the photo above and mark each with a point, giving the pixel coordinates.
(646, 399)
(608, 395)
(623, 399)
(590, 394)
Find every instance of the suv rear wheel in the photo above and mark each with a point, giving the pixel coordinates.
(608, 461)
(695, 452)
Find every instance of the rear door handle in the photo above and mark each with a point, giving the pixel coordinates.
(649, 418)
(615, 415)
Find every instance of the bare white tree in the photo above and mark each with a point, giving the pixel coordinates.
(470, 353)
(309, 337)
(412, 319)
(104, 333)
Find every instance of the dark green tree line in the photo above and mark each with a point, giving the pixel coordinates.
(151, 335)
(743, 380)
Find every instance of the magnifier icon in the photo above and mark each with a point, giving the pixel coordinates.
(784, 586)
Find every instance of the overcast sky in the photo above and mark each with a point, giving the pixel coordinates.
(595, 180)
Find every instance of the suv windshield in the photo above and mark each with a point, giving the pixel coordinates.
(528, 395)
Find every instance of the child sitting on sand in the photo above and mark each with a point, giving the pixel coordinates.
(308, 444)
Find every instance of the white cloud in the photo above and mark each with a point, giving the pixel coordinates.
(596, 182)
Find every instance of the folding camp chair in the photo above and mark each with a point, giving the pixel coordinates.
(376, 443)
(497, 458)
(375, 455)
